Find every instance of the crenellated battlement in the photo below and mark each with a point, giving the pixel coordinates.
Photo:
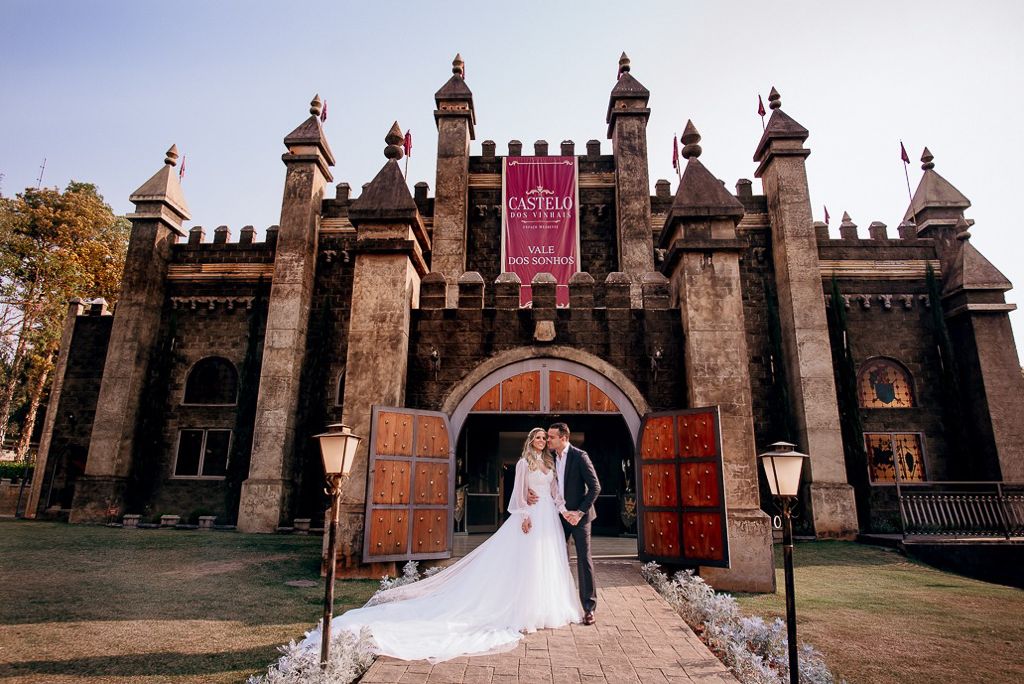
(584, 293)
(222, 238)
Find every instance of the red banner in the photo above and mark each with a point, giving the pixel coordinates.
(540, 222)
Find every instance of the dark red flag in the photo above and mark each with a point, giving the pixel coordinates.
(181, 170)
(407, 144)
(675, 152)
(903, 153)
(323, 113)
(826, 216)
(760, 106)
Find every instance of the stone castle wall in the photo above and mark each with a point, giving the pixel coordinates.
(77, 408)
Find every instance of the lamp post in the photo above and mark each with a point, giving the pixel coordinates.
(338, 449)
(782, 466)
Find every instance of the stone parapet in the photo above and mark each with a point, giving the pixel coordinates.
(584, 292)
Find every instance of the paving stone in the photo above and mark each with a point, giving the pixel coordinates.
(638, 638)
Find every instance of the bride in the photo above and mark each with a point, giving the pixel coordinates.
(517, 581)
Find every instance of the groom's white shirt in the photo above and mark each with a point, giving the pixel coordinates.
(560, 469)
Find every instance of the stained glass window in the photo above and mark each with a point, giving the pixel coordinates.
(888, 451)
(884, 383)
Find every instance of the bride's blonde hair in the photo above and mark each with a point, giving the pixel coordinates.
(534, 459)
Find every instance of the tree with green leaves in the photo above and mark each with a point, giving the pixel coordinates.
(54, 246)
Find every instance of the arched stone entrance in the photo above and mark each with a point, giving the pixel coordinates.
(598, 373)
(494, 407)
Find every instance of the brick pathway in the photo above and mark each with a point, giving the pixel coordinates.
(637, 638)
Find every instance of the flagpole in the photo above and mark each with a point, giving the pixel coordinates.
(906, 174)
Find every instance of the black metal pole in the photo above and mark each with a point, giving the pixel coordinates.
(332, 555)
(787, 555)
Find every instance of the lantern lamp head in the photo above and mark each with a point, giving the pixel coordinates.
(338, 449)
(782, 466)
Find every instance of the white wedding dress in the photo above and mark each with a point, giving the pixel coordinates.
(514, 582)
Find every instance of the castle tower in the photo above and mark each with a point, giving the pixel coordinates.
(627, 128)
(160, 209)
(455, 118)
(389, 263)
(265, 494)
(703, 262)
(808, 358)
(976, 313)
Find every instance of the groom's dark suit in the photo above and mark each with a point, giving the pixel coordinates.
(581, 488)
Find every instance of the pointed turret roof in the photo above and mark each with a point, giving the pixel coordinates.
(455, 88)
(311, 132)
(934, 191)
(699, 192)
(162, 189)
(454, 92)
(387, 197)
(700, 195)
(626, 88)
(781, 126)
(969, 269)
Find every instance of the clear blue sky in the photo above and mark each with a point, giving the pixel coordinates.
(101, 89)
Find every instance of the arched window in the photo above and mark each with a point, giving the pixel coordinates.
(884, 383)
(212, 380)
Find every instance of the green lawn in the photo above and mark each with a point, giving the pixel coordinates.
(879, 617)
(98, 604)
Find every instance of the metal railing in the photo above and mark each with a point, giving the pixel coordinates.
(962, 509)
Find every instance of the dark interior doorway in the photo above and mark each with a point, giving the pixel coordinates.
(490, 444)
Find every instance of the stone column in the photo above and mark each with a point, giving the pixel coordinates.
(703, 261)
(627, 129)
(75, 308)
(265, 496)
(160, 209)
(808, 356)
(389, 263)
(455, 118)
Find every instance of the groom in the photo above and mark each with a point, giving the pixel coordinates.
(578, 481)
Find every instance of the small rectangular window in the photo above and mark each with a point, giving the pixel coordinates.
(202, 453)
(215, 455)
(190, 449)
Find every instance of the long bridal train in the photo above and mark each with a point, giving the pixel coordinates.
(514, 582)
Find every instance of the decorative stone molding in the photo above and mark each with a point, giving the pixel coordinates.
(886, 300)
(331, 254)
(211, 302)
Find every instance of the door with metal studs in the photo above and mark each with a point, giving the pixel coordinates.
(410, 489)
(680, 489)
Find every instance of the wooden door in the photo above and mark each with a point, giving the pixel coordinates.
(410, 492)
(680, 489)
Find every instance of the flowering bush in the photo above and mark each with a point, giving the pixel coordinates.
(410, 574)
(754, 650)
(350, 656)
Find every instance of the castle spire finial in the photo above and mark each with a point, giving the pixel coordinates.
(459, 66)
(690, 138)
(315, 105)
(926, 160)
(393, 139)
(623, 64)
(172, 156)
(774, 99)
